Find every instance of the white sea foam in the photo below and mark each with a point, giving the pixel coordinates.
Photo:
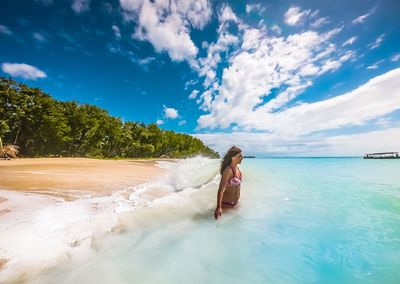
(41, 231)
(185, 174)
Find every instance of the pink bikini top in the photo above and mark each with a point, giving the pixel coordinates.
(233, 181)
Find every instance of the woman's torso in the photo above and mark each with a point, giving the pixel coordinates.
(232, 188)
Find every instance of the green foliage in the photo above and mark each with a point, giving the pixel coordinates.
(42, 126)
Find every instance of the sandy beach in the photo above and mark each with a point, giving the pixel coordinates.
(39, 196)
(71, 178)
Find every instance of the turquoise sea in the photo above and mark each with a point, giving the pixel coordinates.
(300, 220)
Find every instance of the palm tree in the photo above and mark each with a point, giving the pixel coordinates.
(8, 151)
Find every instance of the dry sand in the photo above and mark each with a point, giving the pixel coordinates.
(71, 178)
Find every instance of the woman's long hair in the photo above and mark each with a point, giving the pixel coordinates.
(227, 159)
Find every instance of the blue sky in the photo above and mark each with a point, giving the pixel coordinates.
(273, 77)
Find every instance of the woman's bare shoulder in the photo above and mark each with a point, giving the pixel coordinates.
(227, 171)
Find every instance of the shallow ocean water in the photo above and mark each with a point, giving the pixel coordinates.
(299, 220)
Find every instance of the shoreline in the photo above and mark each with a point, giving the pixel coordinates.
(72, 178)
(70, 200)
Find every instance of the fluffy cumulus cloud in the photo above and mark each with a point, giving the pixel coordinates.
(262, 65)
(207, 66)
(166, 24)
(23, 70)
(249, 78)
(378, 97)
(293, 131)
(170, 113)
(252, 80)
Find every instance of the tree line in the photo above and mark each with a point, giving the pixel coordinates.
(42, 126)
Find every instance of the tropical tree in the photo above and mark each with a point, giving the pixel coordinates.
(34, 123)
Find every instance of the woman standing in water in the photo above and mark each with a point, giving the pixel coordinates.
(231, 178)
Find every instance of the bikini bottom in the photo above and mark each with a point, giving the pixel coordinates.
(230, 204)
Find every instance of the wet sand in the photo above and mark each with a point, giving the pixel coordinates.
(71, 178)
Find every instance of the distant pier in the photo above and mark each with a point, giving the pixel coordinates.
(383, 155)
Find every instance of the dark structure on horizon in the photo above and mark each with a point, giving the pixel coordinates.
(383, 155)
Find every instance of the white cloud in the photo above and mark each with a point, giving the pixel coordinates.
(170, 113)
(207, 66)
(22, 70)
(193, 94)
(254, 7)
(377, 42)
(371, 67)
(379, 96)
(226, 14)
(117, 32)
(395, 57)
(361, 19)
(339, 145)
(166, 24)
(375, 65)
(249, 8)
(190, 83)
(320, 22)
(276, 29)
(182, 122)
(145, 61)
(265, 63)
(294, 15)
(160, 121)
(39, 37)
(350, 41)
(80, 6)
(130, 7)
(5, 30)
(170, 35)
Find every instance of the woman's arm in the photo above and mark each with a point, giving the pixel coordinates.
(224, 179)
